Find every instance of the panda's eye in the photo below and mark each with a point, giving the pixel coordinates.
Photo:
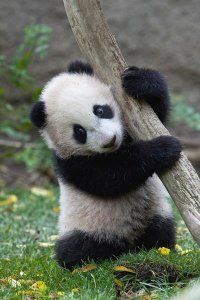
(103, 111)
(99, 111)
(80, 134)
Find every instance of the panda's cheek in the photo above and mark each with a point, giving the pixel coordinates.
(93, 141)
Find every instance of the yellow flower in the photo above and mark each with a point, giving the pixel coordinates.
(164, 251)
(39, 286)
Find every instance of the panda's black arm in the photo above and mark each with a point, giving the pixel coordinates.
(148, 85)
(117, 173)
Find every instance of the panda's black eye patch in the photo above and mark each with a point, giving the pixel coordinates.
(103, 111)
(80, 134)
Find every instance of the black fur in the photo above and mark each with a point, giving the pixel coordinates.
(80, 67)
(119, 172)
(105, 111)
(148, 85)
(159, 233)
(77, 247)
(80, 134)
(38, 114)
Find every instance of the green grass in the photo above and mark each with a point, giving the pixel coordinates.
(31, 221)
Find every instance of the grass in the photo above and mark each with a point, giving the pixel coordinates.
(27, 233)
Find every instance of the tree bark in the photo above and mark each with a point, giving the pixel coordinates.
(99, 47)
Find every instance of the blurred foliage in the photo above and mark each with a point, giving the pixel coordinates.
(34, 45)
(15, 122)
(35, 157)
(185, 113)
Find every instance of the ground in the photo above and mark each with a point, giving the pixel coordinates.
(28, 230)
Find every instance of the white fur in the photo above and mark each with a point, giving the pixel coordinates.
(69, 100)
(112, 218)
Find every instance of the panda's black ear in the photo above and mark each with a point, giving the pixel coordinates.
(38, 114)
(80, 67)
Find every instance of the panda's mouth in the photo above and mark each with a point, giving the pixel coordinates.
(104, 150)
(111, 144)
(111, 149)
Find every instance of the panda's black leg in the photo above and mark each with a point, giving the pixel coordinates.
(159, 233)
(74, 249)
(148, 85)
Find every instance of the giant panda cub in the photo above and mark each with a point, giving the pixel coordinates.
(111, 199)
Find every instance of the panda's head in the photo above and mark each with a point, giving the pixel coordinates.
(77, 114)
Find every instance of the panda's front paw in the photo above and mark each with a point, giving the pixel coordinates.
(132, 81)
(145, 84)
(168, 150)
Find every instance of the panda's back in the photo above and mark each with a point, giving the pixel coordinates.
(123, 217)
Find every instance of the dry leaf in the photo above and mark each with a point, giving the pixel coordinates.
(119, 283)
(140, 292)
(76, 290)
(26, 281)
(185, 252)
(45, 244)
(31, 231)
(146, 297)
(178, 248)
(28, 292)
(39, 286)
(154, 295)
(41, 192)
(151, 296)
(17, 217)
(11, 281)
(3, 280)
(61, 293)
(123, 269)
(10, 200)
(53, 296)
(86, 268)
(56, 209)
(53, 237)
(126, 295)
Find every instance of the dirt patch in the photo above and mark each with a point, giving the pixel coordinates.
(129, 282)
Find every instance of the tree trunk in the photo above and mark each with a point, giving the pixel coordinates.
(99, 47)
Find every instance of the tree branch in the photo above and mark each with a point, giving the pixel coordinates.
(98, 45)
(16, 144)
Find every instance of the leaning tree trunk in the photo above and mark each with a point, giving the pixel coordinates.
(98, 45)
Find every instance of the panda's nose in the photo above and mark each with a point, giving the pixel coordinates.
(111, 143)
